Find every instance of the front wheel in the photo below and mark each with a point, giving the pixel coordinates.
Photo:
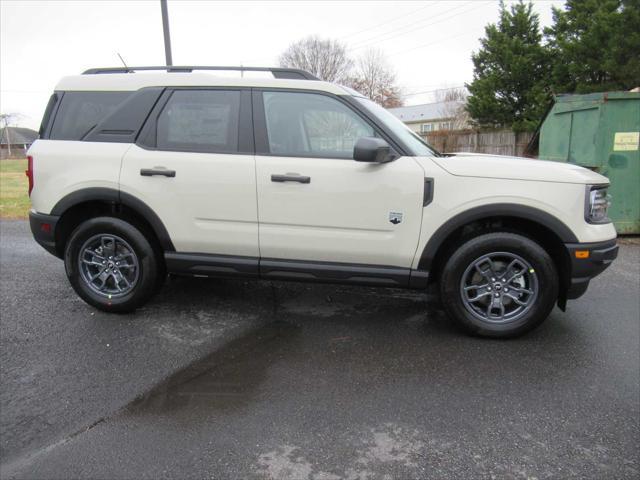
(499, 285)
(111, 264)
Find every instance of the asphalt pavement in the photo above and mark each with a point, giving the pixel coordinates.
(227, 379)
(65, 365)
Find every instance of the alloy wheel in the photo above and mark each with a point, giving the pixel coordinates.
(499, 287)
(108, 265)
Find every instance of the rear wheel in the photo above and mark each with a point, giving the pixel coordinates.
(499, 285)
(111, 264)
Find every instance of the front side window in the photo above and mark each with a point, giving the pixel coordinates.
(80, 112)
(311, 125)
(412, 140)
(200, 121)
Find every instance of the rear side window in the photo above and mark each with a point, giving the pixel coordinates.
(46, 119)
(80, 112)
(200, 121)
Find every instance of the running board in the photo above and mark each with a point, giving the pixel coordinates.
(297, 270)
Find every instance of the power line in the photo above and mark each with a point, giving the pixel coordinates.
(431, 43)
(25, 91)
(432, 91)
(386, 22)
(413, 86)
(400, 31)
(477, 5)
(385, 37)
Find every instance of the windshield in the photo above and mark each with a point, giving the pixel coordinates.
(411, 139)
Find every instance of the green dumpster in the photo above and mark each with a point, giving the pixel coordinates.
(600, 131)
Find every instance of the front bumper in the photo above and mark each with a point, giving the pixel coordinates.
(43, 228)
(587, 261)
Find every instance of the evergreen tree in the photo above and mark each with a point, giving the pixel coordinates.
(511, 71)
(595, 46)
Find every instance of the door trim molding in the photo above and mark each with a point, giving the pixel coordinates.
(297, 270)
(211, 265)
(333, 272)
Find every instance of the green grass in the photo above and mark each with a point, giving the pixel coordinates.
(14, 199)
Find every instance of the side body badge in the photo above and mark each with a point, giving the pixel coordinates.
(395, 217)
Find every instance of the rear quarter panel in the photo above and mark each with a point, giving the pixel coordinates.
(61, 167)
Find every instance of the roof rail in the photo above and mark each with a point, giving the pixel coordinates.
(277, 72)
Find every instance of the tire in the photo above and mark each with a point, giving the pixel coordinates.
(113, 252)
(474, 295)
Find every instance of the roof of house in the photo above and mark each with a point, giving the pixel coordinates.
(17, 135)
(426, 111)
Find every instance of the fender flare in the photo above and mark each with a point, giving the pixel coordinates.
(514, 210)
(116, 197)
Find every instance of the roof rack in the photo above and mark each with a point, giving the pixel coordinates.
(278, 72)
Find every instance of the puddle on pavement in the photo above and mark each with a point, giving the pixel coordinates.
(226, 379)
(232, 377)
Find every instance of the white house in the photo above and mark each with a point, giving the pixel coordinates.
(430, 117)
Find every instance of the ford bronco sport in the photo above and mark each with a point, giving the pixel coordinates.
(140, 172)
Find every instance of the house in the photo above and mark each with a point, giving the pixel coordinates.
(430, 117)
(14, 141)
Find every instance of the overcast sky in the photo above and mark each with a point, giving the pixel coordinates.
(428, 43)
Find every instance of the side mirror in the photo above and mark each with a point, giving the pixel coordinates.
(372, 150)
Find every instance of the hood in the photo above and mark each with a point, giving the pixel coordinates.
(517, 168)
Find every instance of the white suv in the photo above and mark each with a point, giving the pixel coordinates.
(139, 174)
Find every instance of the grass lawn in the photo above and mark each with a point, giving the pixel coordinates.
(14, 199)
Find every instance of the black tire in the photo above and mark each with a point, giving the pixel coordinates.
(537, 286)
(142, 280)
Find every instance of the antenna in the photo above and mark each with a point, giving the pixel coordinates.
(122, 60)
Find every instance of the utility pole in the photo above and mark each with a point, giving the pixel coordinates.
(6, 118)
(165, 29)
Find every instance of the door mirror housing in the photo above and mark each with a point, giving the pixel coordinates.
(372, 150)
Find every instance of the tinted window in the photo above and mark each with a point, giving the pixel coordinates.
(47, 114)
(417, 145)
(79, 112)
(306, 124)
(200, 121)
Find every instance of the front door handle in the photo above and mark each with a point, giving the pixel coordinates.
(290, 177)
(150, 172)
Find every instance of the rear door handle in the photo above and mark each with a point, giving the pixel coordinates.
(150, 172)
(290, 177)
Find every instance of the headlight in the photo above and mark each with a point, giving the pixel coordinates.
(597, 204)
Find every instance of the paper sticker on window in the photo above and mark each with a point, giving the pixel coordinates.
(626, 141)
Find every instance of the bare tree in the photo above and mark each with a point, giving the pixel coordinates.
(375, 78)
(454, 101)
(326, 59)
(7, 120)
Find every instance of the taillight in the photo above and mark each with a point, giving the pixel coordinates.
(29, 172)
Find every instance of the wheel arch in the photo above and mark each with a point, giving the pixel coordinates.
(81, 204)
(549, 231)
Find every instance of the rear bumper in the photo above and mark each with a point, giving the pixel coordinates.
(43, 228)
(600, 256)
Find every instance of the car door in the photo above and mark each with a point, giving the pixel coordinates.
(193, 165)
(316, 204)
